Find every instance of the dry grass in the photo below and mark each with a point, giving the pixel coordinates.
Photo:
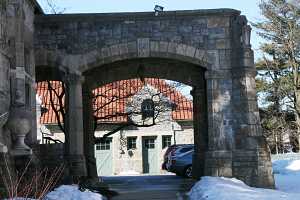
(29, 183)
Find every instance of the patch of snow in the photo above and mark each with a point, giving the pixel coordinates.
(129, 173)
(287, 181)
(286, 166)
(220, 188)
(287, 175)
(71, 192)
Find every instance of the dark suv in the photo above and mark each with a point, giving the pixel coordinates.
(173, 151)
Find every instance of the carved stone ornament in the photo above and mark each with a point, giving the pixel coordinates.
(247, 35)
(19, 123)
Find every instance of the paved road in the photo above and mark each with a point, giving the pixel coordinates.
(166, 187)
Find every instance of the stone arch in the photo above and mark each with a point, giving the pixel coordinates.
(211, 40)
(141, 48)
(170, 69)
(145, 48)
(182, 68)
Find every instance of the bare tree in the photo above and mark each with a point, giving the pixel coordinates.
(51, 7)
(122, 102)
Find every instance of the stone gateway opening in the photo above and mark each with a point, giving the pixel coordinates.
(208, 50)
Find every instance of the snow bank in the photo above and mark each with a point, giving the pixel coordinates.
(71, 192)
(287, 175)
(287, 180)
(286, 166)
(129, 173)
(218, 188)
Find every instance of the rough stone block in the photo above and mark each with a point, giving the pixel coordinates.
(143, 47)
(213, 59)
(115, 50)
(199, 54)
(123, 49)
(163, 47)
(223, 44)
(132, 47)
(181, 49)
(190, 51)
(216, 33)
(214, 22)
(154, 46)
(172, 47)
(105, 52)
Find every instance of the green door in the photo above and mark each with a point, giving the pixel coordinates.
(150, 158)
(103, 154)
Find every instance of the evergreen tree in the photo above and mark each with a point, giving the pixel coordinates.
(279, 65)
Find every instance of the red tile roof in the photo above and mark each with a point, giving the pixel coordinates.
(111, 99)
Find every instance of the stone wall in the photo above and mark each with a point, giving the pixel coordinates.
(103, 38)
(17, 72)
(4, 76)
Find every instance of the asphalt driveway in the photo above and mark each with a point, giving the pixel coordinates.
(164, 187)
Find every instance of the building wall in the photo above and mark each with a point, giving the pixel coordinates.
(125, 160)
(17, 64)
(121, 160)
(4, 76)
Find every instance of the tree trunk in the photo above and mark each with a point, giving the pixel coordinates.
(276, 141)
(297, 107)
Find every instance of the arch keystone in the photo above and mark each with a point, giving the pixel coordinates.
(143, 45)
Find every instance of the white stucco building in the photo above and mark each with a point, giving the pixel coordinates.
(157, 115)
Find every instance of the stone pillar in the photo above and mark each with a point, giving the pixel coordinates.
(220, 130)
(74, 126)
(200, 130)
(251, 157)
(88, 124)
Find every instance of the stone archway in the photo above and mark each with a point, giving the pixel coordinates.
(92, 46)
(170, 69)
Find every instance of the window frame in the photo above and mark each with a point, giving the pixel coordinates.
(149, 145)
(147, 108)
(131, 141)
(104, 145)
(164, 137)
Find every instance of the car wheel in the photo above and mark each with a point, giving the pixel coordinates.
(188, 171)
(178, 174)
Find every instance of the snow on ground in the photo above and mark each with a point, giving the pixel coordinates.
(287, 175)
(129, 173)
(71, 192)
(287, 178)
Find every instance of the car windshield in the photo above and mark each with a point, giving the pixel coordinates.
(188, 153)
(185, 149)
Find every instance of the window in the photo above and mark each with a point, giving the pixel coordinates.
(147, 108)
(150, 143)
(131, 143)
(166, 141)
(104, 144)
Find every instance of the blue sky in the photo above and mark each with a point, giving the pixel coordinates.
(247, 7)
